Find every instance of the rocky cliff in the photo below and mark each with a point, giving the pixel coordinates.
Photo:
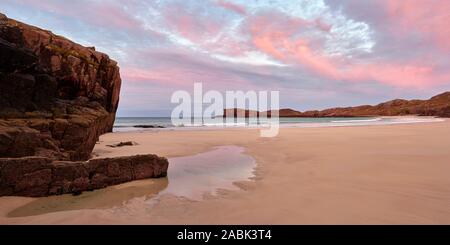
(56, 98)
(438, 106)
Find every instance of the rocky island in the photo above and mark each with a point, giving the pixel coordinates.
(56, 98)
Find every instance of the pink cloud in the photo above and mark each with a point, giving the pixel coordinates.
(183, 78)
(277, 35)
(115, 16)
(167, 76)
(192, 26)
(323, 25)
(102, 14)
(408, 74)
(205, 29)
(270, 36)
(281, 38)
(431, 18)
(231, 6)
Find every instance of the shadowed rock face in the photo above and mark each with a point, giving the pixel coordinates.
(56, 98)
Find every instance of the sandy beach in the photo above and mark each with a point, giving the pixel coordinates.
(390, 174)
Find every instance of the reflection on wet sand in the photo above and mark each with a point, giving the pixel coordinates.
(98, 199)
(205, 173)
(190, 177)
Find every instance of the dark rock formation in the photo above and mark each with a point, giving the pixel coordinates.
(59, 92)
(148, 126)
(122, 144)
(56, 98)
(438, 106)
(40, 176)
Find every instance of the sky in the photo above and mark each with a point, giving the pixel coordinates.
(317, 53)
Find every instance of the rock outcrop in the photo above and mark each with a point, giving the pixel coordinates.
(56, 98)
(40, 176)
(438, 106)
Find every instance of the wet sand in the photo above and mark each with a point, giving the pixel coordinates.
(390, 174)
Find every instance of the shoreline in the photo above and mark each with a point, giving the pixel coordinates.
(344, 123)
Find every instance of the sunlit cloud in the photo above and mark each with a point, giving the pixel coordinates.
(379, 49)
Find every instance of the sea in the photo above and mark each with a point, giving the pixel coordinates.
(165, 123)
